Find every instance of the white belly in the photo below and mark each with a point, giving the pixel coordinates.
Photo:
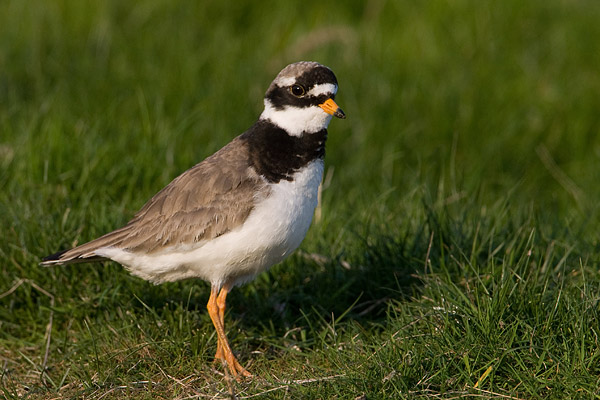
(273, 230)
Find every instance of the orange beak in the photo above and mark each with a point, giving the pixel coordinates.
(331, 108)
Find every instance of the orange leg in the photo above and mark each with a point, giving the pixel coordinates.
(221, 305)
(216, 311)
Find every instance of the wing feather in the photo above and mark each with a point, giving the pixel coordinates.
(206, 201)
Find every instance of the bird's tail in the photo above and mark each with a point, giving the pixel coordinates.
(87, 251)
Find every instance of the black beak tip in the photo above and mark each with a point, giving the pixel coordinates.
(340, 114)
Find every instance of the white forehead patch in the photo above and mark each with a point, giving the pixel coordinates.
(323, 88)
(285, 81)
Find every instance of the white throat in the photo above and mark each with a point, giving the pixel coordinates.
(296, 121)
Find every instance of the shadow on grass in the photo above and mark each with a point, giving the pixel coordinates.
(311, 294)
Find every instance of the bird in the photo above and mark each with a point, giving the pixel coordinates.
(239, 211)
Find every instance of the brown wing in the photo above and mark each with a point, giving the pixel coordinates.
(204, 202)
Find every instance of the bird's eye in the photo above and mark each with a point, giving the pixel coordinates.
(297, 90)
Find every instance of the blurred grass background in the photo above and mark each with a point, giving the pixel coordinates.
(457, 248)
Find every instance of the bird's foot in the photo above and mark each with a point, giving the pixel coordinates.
(235, 368)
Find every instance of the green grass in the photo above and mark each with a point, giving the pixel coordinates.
(458, 246)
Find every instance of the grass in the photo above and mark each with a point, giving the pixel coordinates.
(456, 252)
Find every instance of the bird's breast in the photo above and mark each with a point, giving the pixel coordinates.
(287, 212)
